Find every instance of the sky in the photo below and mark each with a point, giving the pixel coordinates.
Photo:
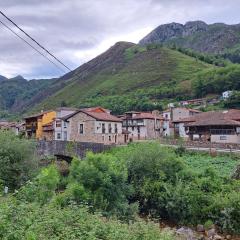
(78, 30)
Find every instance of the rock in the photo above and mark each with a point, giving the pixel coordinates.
(185, 232)
(211, 233)
(200, 228)
(228, 237)
(217, 237)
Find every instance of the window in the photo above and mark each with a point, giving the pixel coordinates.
(109, 128)
(81, 128)
(223, 137)
(59, 136)
(65, 124)
(109, 138)
(116, 128)
(132, 128)
(103, 128)
(58, 123)
(65, 136)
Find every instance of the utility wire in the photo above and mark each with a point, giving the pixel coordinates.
(31, 46)
(35, 41)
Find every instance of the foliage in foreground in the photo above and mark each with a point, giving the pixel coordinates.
(160, 181)
(17, 160)
(32, 222)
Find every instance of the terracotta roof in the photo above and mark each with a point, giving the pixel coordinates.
(229, 117)
(101, 116)
(95, 109)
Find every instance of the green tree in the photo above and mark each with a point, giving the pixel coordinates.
(18, 162)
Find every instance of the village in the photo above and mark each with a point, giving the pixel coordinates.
(99, 125)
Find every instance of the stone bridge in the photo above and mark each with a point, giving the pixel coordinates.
(67, 150)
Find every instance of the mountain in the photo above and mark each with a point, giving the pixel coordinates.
(2, 78)
(16, 92)
(127, 76)
(218, 38)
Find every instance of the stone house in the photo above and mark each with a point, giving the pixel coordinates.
(172, 120)
(143, 125)
(94, 125)
(214, 126)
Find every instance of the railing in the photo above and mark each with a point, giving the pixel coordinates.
(222, 131)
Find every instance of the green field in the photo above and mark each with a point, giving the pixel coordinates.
(224, 164)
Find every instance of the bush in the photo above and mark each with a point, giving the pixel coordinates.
(101, 181)
(18, 162)
(42, 188)
(20, 221)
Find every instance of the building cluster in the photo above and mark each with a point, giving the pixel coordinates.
(98, 125)
(95, 124)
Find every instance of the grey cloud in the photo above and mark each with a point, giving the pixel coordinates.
(75, 30)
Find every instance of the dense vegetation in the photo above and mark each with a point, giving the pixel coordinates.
(103, 195)
(129, 77)
(18, 162)
(17, 91)
(217, 80)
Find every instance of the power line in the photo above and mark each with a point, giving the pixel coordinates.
(31, 46)
(35, 41)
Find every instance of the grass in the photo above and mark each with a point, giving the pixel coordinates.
(136, 68)
(224, 164)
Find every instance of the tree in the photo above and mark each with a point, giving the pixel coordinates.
(18, 161)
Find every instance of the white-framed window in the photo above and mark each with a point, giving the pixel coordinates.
(65, 124)
(59, 136)
(81, 128)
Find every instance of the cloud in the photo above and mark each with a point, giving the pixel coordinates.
(79, 30)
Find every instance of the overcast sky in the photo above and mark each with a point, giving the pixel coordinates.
(78, 30)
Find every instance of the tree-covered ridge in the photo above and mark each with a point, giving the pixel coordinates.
(126, 73)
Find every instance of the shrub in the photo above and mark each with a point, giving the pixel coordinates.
(18, 162)
(42, 188)
(101, 181)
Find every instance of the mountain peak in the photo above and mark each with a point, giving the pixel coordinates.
(196, 35)
(18, 77)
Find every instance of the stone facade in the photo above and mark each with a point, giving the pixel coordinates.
(85, 128)
(143, 125)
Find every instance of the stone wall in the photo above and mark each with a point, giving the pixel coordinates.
(69, 149)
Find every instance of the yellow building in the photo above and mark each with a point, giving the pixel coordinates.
(35, 125)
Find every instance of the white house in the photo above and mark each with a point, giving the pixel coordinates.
(60, 126)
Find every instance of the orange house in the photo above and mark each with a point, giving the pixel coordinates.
(35, 125)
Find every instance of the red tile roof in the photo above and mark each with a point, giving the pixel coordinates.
(101, 116)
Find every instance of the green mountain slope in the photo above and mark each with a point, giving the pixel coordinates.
(16, 92)
(218, 38)
(127, 76)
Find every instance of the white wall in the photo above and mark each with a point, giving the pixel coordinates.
(225, 138)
